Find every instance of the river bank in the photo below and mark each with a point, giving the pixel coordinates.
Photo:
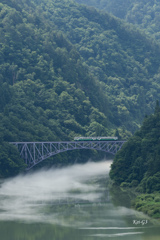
(147, 203)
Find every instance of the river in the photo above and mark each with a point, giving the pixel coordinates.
(70, 203)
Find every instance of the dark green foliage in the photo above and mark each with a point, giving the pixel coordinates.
(142, 13)
(10, 162)
(122, 58)
(139, 159)
(149, 204)
(46, 93)
(68, 70)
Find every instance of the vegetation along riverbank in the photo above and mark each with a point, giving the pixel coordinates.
(137, 165)
(69, 70)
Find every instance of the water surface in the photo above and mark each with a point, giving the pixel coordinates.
(69, 203)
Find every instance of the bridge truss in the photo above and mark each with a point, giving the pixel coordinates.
(35, 152)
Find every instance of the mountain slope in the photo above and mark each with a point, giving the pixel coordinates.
(137, 164)
(124, 62)
(122, 58)
(68, 70)
(46, 92)
(143, 14)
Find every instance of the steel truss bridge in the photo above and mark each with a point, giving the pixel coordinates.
(35, 152)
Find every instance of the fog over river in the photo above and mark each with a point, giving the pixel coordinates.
(68, 203)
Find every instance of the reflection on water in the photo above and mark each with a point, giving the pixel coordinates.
(68, 203)
(24, 197)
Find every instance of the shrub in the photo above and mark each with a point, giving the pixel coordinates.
(148, 197)
(157, 199)
(125, 184)
(134, 183)
(138, 205)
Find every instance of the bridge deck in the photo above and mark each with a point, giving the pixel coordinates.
(35, 152)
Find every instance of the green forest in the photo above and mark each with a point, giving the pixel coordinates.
(142, 13)
(137, 165)
(70, 70)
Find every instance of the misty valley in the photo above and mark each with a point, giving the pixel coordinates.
(73, 202)
(79, 83)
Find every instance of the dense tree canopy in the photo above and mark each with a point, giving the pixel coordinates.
(123, 59)
(138, 162)
(68, 70)
(142, 13)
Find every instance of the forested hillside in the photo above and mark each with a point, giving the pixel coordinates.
(119, 56)
(144, 14)
(138, 162)
(46, 92)
(68, 70)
